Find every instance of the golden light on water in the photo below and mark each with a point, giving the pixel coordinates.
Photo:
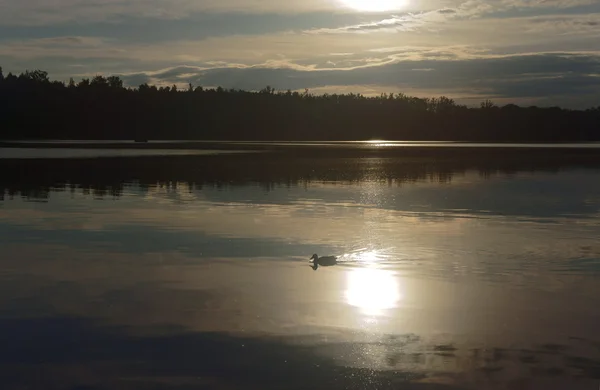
(372, 290)
(375, 5)
(369, 256)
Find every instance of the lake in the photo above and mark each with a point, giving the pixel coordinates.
(458, 268)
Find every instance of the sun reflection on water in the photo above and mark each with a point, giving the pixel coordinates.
(369, 256)
(372, 290)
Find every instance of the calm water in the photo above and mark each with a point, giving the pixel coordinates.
(191, 271)
(28, 153)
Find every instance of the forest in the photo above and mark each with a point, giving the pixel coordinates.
(101, 108)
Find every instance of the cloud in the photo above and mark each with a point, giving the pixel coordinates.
(524, 8)
(42, 12)
(396, 23)
(546, 3)
(566, 25)
(447, 11)
(523, 76)
(193, 26)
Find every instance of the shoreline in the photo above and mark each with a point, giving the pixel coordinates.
(278, 145)
(292, 150)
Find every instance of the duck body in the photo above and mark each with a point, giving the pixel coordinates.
(324, 261)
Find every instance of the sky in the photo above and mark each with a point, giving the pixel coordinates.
(542, 52)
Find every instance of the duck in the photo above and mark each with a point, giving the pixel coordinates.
(324, 261)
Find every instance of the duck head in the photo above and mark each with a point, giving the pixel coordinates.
(314, 257)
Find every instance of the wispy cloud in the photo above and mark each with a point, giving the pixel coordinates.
(394, 24)
(515, 8)
(566, 24)
(40, 12)
(539, 76)
(397, 23)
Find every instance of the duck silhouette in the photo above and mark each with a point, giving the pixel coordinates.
(325, 261)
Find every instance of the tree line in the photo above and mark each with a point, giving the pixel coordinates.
(34, 107)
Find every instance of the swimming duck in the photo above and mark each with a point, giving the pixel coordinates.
(325, 261)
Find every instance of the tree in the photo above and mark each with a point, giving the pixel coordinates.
(144, 88)
(487, 104)
(115, 82)
(84, 83)
(1, 75)
(99, 81)
(38, 76)
(268, 90)
(513, 107)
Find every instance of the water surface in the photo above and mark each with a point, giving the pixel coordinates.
(28, 153)
(189, 271)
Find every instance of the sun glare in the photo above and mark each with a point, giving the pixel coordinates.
(372, 290)
(375, 5)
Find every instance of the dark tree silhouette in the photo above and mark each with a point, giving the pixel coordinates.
(33, 107)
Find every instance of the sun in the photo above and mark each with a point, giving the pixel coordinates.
(375, 5)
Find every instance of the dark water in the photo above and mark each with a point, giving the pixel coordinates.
(457, 271)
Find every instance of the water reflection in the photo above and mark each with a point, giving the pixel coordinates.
(36, 178)
(372, 290)
(369, 256)
(64, 153)
(440, 263)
